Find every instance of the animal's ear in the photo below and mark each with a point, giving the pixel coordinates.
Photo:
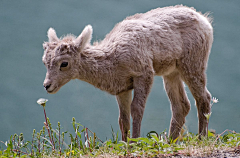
(52, 36)
(44, 45)
(85, 37)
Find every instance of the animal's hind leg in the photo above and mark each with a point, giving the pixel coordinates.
(124, 100)
(197, 85)
(180, 105)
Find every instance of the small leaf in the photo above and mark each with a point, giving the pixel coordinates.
(123, 143)
(210, 134)
(133, 139)
(175, 140)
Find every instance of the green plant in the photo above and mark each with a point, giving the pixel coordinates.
(85, 143)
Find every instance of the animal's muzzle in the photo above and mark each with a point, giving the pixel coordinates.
(47, 86)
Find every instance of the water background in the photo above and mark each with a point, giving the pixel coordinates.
(23, 29)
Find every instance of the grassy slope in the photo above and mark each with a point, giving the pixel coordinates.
(50, 142)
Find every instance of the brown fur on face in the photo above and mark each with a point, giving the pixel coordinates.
(173, 42)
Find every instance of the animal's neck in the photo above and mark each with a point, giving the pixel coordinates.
(94, 66)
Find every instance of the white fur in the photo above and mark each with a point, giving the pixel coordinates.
(52, 36)
(85, 37)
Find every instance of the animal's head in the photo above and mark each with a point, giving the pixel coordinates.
(62, 57)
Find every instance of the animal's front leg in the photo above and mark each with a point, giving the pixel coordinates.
(124, 100)
(180, 105)
(142, 86)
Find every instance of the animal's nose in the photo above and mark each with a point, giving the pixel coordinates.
(47, 86)
(47, 83)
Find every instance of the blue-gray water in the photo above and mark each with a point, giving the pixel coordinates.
(23, 27)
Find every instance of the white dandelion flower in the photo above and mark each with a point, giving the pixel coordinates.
(42, 101)
(214, 100)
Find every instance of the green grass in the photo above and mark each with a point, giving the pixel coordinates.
(50, 142)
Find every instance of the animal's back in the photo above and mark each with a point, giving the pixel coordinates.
(184, 34)
(179, 16)
(162, 35)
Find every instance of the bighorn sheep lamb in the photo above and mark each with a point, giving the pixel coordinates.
(173, 42)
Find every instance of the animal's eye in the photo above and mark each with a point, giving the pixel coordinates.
(64, 66)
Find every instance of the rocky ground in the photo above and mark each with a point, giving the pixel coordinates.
(228, 153)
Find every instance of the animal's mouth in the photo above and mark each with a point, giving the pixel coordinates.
(52, 90)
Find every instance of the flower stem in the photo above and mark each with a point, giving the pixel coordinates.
(59, 138)
(88, 140)
(207, 129)
(48, 128)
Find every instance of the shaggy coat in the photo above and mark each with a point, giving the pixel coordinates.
(173, 42)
